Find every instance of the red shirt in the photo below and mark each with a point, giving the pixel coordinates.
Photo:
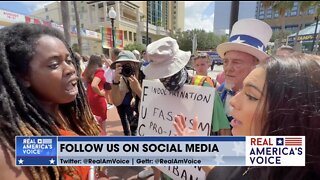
(98, 103)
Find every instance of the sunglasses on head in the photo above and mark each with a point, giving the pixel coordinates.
(201, 56)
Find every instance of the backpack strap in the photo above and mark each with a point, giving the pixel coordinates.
(198, 80)
(210, 81)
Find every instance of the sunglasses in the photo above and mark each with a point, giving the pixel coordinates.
(201, 56)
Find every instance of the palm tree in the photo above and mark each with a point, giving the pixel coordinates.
(78, 26)
(266, 5)
(282, 7)
(65, 20)
(303, 9)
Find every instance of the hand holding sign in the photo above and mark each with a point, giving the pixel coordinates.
(182, 129)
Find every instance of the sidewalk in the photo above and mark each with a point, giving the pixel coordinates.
(114, 128)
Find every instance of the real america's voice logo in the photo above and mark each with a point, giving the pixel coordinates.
(275, 151)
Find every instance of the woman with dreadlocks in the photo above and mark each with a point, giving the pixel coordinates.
(40, 96)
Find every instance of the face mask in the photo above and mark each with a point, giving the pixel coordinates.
(176, 81)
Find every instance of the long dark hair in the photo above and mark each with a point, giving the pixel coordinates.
(20, 112)
(94, 63)
(292, 108)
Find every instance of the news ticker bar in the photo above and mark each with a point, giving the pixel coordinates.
(160, 151)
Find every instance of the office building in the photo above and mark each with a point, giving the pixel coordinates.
(292, 18)
(164, 17)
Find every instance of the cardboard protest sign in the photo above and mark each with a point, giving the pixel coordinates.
(158, 109)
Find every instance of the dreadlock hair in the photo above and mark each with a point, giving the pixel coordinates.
(20, 113)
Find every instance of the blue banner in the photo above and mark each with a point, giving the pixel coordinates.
(160, 151)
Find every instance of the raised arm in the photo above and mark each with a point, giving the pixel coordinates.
(182, 129)
(116, 94)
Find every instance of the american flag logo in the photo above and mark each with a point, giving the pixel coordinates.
(47, 141)
(292, 141)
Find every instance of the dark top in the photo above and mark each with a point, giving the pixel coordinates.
(264, 173)
(228, 173)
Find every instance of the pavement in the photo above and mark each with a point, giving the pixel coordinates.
(114, 128)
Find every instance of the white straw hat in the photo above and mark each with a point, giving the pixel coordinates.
(165, 58)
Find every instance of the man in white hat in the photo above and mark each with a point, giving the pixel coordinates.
(245, 49)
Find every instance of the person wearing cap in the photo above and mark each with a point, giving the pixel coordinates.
(284, 50)
(245, 49)
(125, 87)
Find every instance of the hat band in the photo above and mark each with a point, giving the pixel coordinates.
(123, 57)
(245, 39)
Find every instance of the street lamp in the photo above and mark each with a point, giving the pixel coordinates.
(112, 16)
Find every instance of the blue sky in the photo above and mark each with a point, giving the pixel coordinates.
(198, 14)
(22, 7)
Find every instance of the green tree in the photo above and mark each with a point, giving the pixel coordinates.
(224, 38)
(279, 35)
(277, 38)
(205, 40)
(282, 7)
(134, 46)
(278, 6)
(184, 40)
(266, 5)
